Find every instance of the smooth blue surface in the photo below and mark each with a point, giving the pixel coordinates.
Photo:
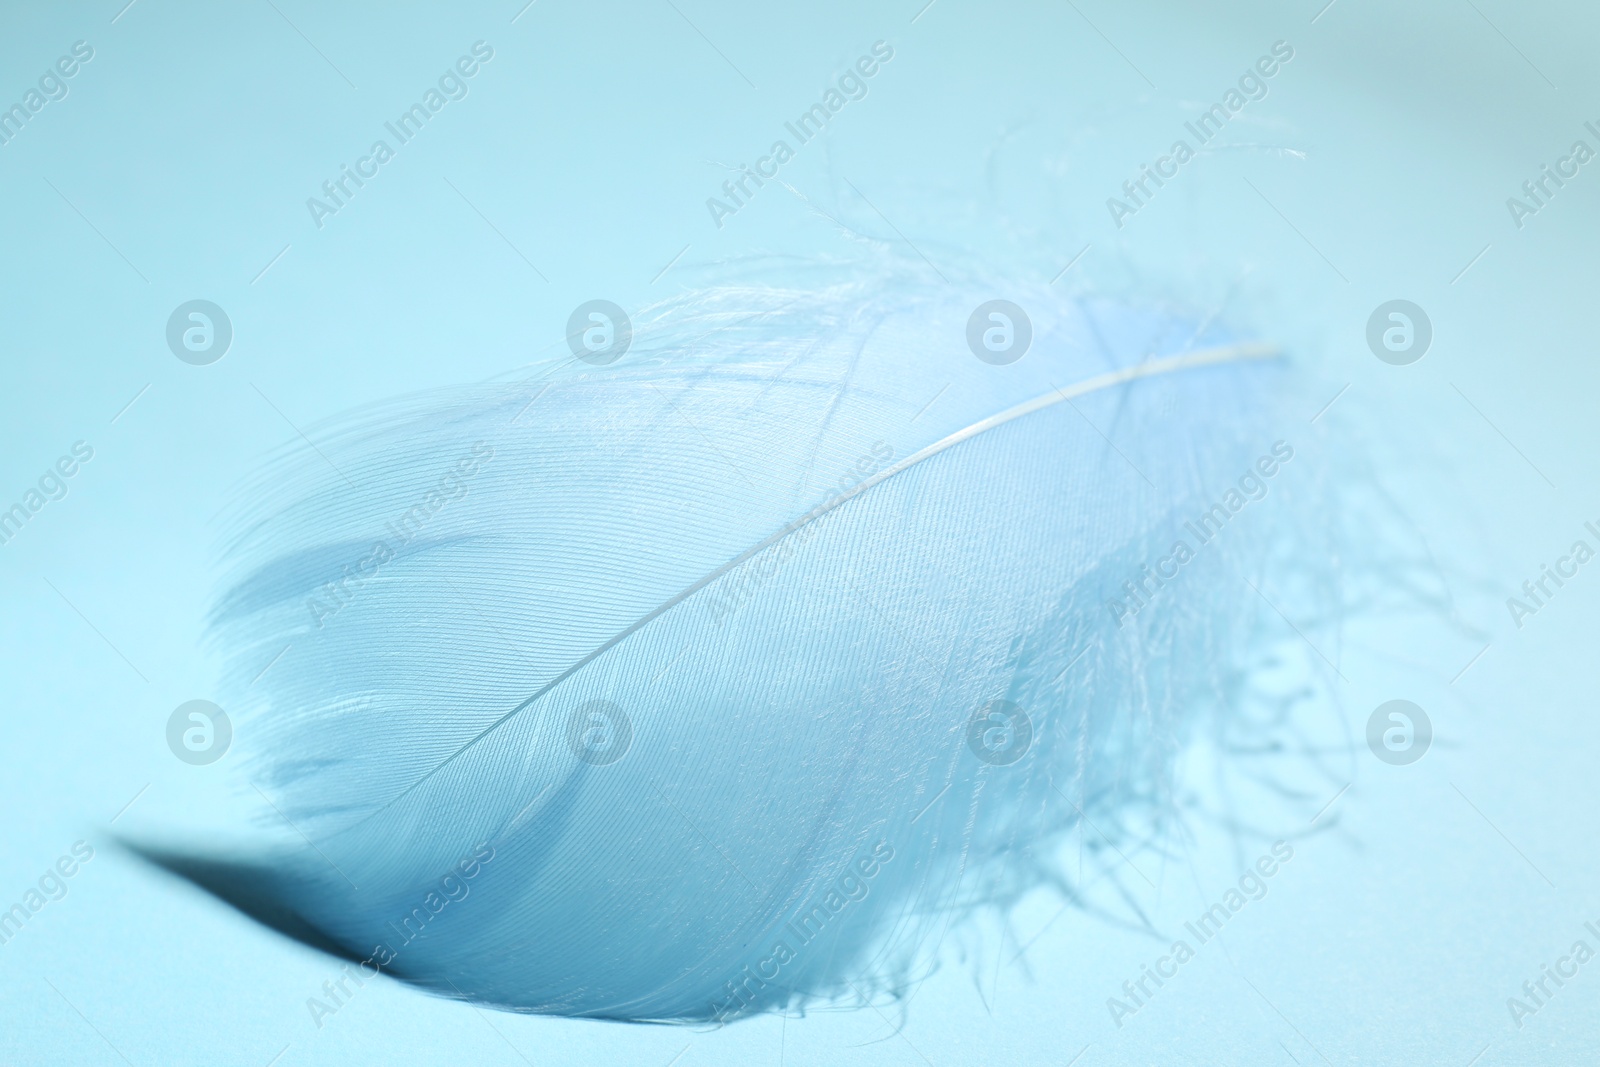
(1377, 167)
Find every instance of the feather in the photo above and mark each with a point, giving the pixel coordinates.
(726, 677)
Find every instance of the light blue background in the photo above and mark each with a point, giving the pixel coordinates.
(1390, 143)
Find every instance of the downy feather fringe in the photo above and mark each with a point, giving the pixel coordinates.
(776, 561)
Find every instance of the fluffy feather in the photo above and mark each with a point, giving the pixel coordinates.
(789, 539)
